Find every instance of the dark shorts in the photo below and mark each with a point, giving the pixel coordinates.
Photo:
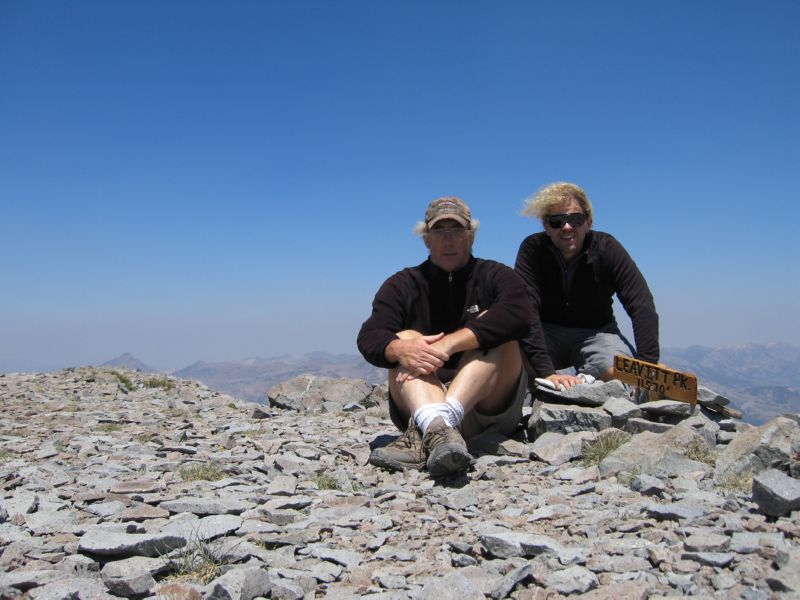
(474, 422)
(589, 351)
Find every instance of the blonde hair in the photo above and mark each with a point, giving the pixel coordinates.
(421, 229)
(542, 202)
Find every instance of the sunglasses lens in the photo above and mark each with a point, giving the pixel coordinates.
(574, 219)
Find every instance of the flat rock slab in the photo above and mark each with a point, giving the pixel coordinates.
(667, 407)
(48, 522)
(137, 486)
(107, 542)
(675, 512)
(206, 506)
(206, 528)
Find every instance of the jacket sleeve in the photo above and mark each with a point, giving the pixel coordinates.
(534, 345)
(509, 315)
(387, 318)
(636, 299)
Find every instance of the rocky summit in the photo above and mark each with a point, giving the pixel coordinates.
(116, 483)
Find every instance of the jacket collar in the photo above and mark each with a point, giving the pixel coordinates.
(434, 273)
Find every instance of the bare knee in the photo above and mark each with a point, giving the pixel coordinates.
(506, 356)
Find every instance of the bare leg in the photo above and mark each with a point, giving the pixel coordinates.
(412, 395)
(486, 382)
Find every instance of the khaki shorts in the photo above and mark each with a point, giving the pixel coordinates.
(474, 422)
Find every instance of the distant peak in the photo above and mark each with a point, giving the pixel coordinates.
(129, 361)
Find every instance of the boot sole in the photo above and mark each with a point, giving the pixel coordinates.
(376, 459)
(447, 461)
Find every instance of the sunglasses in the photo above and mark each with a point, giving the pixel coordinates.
(574, 219)
(452, 233)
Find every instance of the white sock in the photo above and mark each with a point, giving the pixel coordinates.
(426, 415)
(455, 412)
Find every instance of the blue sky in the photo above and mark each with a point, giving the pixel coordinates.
(204, 180)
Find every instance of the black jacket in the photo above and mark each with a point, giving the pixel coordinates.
(604, 269)
(403, 302)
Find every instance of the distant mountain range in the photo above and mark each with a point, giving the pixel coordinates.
(761, 380)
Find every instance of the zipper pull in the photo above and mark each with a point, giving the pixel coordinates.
(449, 278)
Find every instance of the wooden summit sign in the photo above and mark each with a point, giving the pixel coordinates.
(656, 378)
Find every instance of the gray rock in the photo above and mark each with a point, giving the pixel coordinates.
(511, 543)
(286, 589)
(240, 584)
(675, 511)
(206, 506)
(136, 486)
(712, 559)
(105, 509)
(776, 493)
(786, 579)
(78, 565)
(299, 394)
(509, 581)
(747, 542)
(206, 528)
(648, 485)
(107, 542)
(345, 391)
(621, 409)
(133, 576)
(282, 485)
(24, 580)
(707, 542)
(388, 580)
(566, 419)
(21, 502)
(707, 396)
(573, 580)
(772, 445)
(666, 407)
(83, 588)
(346, 558)
(596, 393)
(49, 522)
(558, 448)
(648, 452)
(460, 499)
(453, 586)
(636, 425)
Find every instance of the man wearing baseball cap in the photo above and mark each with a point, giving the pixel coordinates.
(448, 332)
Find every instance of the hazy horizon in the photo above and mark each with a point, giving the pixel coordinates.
(188, 181)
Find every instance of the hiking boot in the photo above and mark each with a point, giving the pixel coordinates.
(447, 450)
(406, 452)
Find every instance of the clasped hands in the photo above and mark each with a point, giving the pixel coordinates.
(419, 356)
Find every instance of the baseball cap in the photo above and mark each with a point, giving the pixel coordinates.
(447, 207)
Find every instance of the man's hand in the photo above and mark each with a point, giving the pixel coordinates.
(417, 356)
(563, 380)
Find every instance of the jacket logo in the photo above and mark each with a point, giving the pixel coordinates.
(473, 309)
